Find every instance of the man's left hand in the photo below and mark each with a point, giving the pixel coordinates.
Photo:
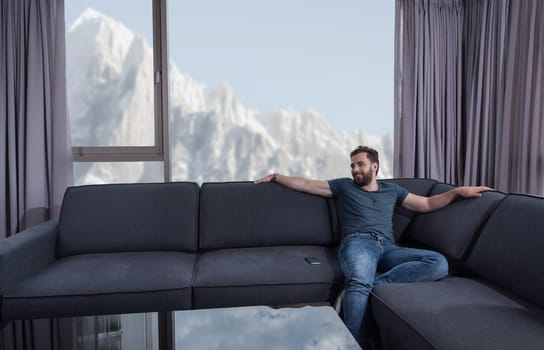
(472, 191)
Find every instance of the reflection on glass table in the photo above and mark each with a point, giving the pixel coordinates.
(262, 327)
(255, 327)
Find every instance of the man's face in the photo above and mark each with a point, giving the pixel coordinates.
(362, 170)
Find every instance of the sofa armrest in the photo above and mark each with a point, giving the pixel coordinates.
(26, 252)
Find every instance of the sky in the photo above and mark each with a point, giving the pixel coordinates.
(332, 57)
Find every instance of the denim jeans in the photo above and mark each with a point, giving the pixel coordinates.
(361, 255)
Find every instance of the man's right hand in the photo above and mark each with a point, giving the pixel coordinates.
(267, 178)
(317, 187)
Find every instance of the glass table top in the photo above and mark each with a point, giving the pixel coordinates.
(262, 327)
(255, 327)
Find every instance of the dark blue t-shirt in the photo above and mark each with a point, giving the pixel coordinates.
(365, 211)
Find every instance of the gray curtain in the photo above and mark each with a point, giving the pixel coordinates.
(42, 334)
(35, 158)
(469, 86)
(428, 69)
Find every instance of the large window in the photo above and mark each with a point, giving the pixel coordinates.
(110, 79)
(253, 87)
(114, 66)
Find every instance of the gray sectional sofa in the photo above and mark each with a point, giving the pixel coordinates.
(157, 247)
(494, 296)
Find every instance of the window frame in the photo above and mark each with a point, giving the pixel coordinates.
(160, 150)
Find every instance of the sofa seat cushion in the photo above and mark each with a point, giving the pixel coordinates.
(104, 284)
(454, 313)
(265, 276)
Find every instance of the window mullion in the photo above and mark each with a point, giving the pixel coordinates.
(160, 63)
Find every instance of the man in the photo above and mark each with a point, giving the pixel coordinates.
(366, 213)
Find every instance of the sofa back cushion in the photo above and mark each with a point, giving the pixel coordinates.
(128, 217)
(244, 214)
(452, 230)
(402, 217)
(509, 251)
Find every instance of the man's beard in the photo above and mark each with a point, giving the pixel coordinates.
(365, 180)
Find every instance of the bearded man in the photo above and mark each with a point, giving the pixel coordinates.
(366, 209)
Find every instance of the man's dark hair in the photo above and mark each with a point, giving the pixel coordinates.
(371, 154)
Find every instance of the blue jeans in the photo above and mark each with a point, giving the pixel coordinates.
(361, 255)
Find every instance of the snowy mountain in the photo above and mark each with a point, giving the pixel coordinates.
(213, 136)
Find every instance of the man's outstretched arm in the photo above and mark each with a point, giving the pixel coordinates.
(426, 204)
(317, 187)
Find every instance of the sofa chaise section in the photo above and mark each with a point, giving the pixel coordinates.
(253, 242)
(116, 248)
(497, 304)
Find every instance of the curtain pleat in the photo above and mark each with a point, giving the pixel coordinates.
(523, 111)
(41, 334)
(468, 92)
(427, 97)
(35, 158)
